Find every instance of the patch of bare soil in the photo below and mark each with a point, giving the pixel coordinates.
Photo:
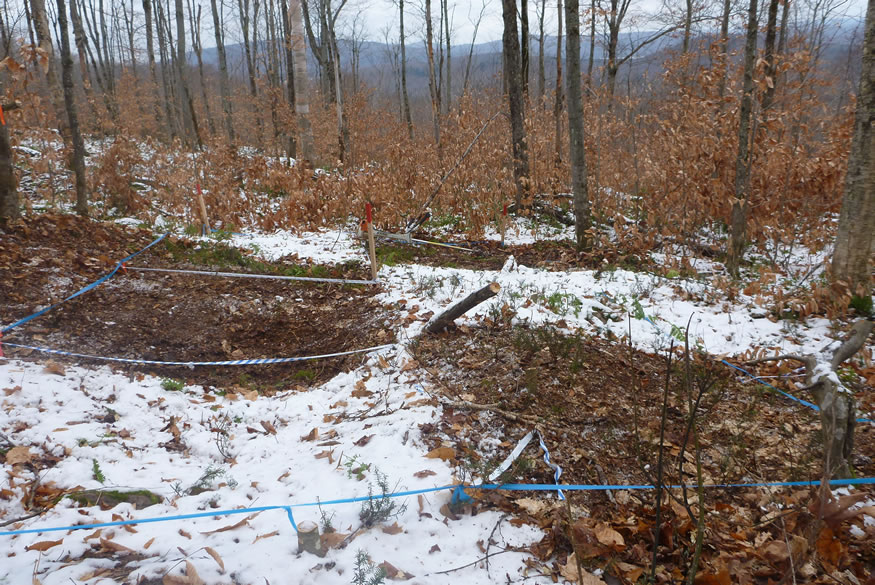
(170, 317)
(600, 407)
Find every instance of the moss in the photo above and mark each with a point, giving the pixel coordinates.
(111, 498)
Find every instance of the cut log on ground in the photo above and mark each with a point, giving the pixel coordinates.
(446, 318)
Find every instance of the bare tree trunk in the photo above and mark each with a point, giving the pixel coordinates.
(577, 155)
(524, 47)
(249, 50)
(72, 117)
(405, 99)
(592, 17)
(302, 102)
(82, 50)
(189, 117)
(557, 104)
(471, 48)
(43, 35)
(738, 220)
(9, 209)
(688, 25)
(769, 55)
(166, 81)
(542, 79)
(855, 240)
(724, 47)
(511, 50)
(449, 90)
(433, 86)
(194, 19)
(224, 85)
(153, 74)
(292, 147)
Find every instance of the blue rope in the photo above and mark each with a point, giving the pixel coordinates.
(764, 383)
(93, 285)
(507, 487)
(192, 364)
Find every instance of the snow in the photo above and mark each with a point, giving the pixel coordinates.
(65, 416)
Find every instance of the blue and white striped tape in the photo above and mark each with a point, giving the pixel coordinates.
(91, 286)
(251, 362)
(518, 487)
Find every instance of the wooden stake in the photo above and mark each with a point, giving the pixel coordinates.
(205, 220)
(371, 246)
(446, 318)
(503, 222)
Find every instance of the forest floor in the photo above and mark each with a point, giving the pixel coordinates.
(574, 347)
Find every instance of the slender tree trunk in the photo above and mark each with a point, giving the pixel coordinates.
(855, 241)
(557, 104)
(224, 85)
(248, 50)
(433, 86)
(688, 26)
(524, 46)
(449, 90)
(577, 155)
(769, 55)
(9, 209)
(302, 102)
(292, 147)
(72, 117)
(542, 78)
(166, 82)
(511, 49)
(592, 19)
(153, 74)
(82, 50)
(195, 25)
(189, 117)
(43, 35)
(405, 99)
(724, 49)
(738, 220)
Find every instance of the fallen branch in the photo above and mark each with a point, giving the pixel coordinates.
(446, 318)
(511, 416)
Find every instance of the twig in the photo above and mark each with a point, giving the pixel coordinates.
(492, 408)
(22, 519)
(659, 468)
(489, 540)
(475, 562)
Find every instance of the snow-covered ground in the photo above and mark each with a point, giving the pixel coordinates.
(293, 448)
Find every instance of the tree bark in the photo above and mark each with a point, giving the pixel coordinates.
(224, 85)
(524, 46)
(43, 35)
(292, 147)
(302, 102)
(249, 50)
(769, 55)
(738, 219)
(153, 74)
(577, 155)
(855, 240)
(434, 88)
(9, 209)
(72, 116)
(449, 87)
(195, 25)
(446, 318)
(591, 57)
(542, 78)
(511, 50)
(405, 99)
(557, 104)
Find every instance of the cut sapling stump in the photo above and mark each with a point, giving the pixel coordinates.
(446, 318)
(835, 400)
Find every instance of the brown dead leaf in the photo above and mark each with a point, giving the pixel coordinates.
(184, 533)
(424, 473)
(532, 506)
(630, 572)
(410, 365)
(43, 545)
(326, 454)
(569, 571)
(114, 546)
(19, 455)
(445, 453)
(54, 368)
(149, 543)
(212, 552)
(312, 435)
(445, 510)
(393, 529)
(263, 536)
(268, 427)
(332, 539)
(94, 534)
(243, 522)
(381, 361)
(608, 536)
(434, 548)
(363, 441)
(394, 573)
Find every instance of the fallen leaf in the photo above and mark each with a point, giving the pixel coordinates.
(114, 546)
(381, 361)
(43, 545)
(326, 454)
(184, 533)
(212, 552)
(424, 473)
(230, 527)
(608, 536)
(312, 435)
(532, 506)
(268, 427)
(19, 455)
(149, 543)
(434, 548)
(363, 441)
(393, 529)
(721, 578)
(332, 539)
(54, 368)
(445, 510)
(268, 535)
(445, 453)
(410, 365)
(569, 571)
(394, 573)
